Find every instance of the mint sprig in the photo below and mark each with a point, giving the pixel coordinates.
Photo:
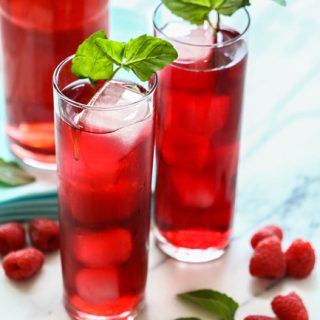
(212, 301)
(12, 174)
(198, 11)
(99, 58)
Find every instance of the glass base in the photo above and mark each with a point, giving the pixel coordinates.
(36, 160)
(186, 254)
(79, 315)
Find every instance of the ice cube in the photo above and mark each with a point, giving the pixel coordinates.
(199, 35)
(116, 96)
(104, 204)
(194, 190)
(103, 248)
(98, 286)
(181, 148)
(208, 115)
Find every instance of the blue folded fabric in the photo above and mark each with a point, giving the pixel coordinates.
(38, 199)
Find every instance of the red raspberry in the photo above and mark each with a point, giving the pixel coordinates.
(266, 232)
(268, 260)
(258, 318)
(44, 234)
(22, 264)
(300, 259)
(12, 237)
(289, 307)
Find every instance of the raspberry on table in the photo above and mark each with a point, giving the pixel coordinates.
(289, 307)
(268, 260)
(256, 317)
(300, 258)
(23, 264)
(12, 237)
(266, 232)
(44, 234)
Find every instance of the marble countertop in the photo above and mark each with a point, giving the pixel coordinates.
(279, 178)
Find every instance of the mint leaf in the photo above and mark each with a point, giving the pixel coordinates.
(145, 55)
(113, 49)
(12, 174)
(194, 11)
(97, 55)
(213, 301)
(281, 2)
(90, 62)
(229, 7)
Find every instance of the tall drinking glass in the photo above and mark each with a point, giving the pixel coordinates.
(197, 134)
(104, 157)
(36, 36)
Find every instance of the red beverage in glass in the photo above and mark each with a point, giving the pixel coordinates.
(197, 134)
(104, 159)
(36, 36)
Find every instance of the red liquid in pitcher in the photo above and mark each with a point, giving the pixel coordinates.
(198, 127)
(104, 196)
(36, 36)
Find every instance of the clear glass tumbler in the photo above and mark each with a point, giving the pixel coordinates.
(104, 157)
(199, 102)
(36, 35)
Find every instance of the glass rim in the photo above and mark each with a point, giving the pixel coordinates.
(214, 45)
(83, 106)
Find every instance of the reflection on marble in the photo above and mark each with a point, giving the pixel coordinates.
(279, 181)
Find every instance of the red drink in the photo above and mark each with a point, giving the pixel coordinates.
(104, 159)
(198, 129)
(36, 36)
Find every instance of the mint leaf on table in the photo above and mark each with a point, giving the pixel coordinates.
(12, 174)
(215, 302)
(99, 58)
(90, 62)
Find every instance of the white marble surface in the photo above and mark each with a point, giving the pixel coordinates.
(279, 181)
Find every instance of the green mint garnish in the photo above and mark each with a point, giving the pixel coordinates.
(90, 62)
(99, 58)
(12, 174)
(198, 11)
(215, 302)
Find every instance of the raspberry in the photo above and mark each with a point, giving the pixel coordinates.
(22, 264)
(300, 259)
(12, 237)
(268, 260)
(258, 318)
(266, 232)
(289, 307)
(44, 234)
